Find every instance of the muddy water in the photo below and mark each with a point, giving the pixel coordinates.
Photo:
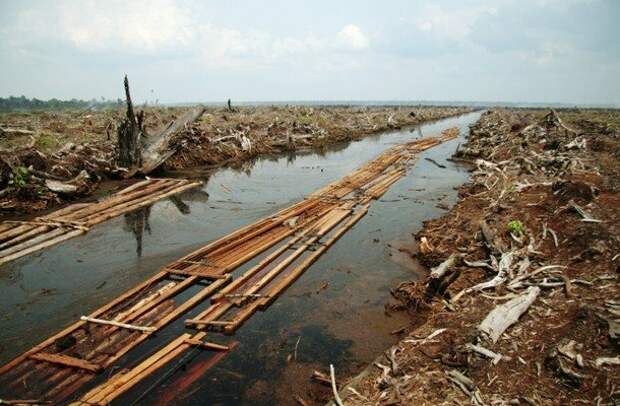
(336, 307)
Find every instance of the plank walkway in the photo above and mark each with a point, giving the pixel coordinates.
(289, 242)
(20, 238)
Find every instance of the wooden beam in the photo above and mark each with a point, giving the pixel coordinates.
(118, 324)
(206, 345)
(67, 361)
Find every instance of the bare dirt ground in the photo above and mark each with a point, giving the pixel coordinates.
(535, 232)
(79, 146)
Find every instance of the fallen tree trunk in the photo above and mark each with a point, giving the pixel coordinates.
(159, 147)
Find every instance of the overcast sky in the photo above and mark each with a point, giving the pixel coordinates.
(176, 51)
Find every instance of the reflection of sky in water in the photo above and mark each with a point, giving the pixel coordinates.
(41, 293)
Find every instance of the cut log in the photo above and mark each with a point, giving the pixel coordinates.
(506, 314)
(206, 345)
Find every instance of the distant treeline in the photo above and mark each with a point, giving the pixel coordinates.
(22, 103)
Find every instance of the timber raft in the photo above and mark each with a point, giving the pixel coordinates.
(20, 238)
(290, 241)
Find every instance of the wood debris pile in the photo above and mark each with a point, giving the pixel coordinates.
(243, 135)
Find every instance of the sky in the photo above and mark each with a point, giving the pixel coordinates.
(548, 51)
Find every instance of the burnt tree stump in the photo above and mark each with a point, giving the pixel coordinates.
(129, 135)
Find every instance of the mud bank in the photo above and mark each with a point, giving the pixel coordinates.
(79, 147)
(521, 305)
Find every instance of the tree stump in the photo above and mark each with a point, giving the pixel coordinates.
(129, 135)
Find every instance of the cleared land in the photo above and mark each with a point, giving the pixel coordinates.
(521, 304)
(78, 147)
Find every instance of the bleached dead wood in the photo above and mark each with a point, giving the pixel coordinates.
(159, 147)
(69, 187)
(600, 361)
(332, 375)
(428, 338)
(477, 264)
(503, 269)
(487, 353)
(440, 270)
(15, 131)
(518, 281)
(466, 385)
(425, 246)
(585, 216)
(506, 314)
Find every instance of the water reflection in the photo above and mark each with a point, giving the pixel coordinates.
(180, 204)
(198, 195)
(246, 166)
(137, 222)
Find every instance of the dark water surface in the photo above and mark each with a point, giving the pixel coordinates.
(336, 307)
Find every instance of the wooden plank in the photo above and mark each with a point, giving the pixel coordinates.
(71, 328)
(67, 361)
(290, 278)
(99, 393)
(177, 312)
(117, 324)
(206, 345)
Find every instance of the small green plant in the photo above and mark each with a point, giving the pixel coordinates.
(19, 177)
(516, 227)
(45, 142)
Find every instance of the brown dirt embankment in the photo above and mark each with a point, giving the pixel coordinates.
(539, 220)
(79, 146)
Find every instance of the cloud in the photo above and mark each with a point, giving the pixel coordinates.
(191, 49)
(165, 29)
(455, 24)
(353, 36)
(138, 26)
(131, 26)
